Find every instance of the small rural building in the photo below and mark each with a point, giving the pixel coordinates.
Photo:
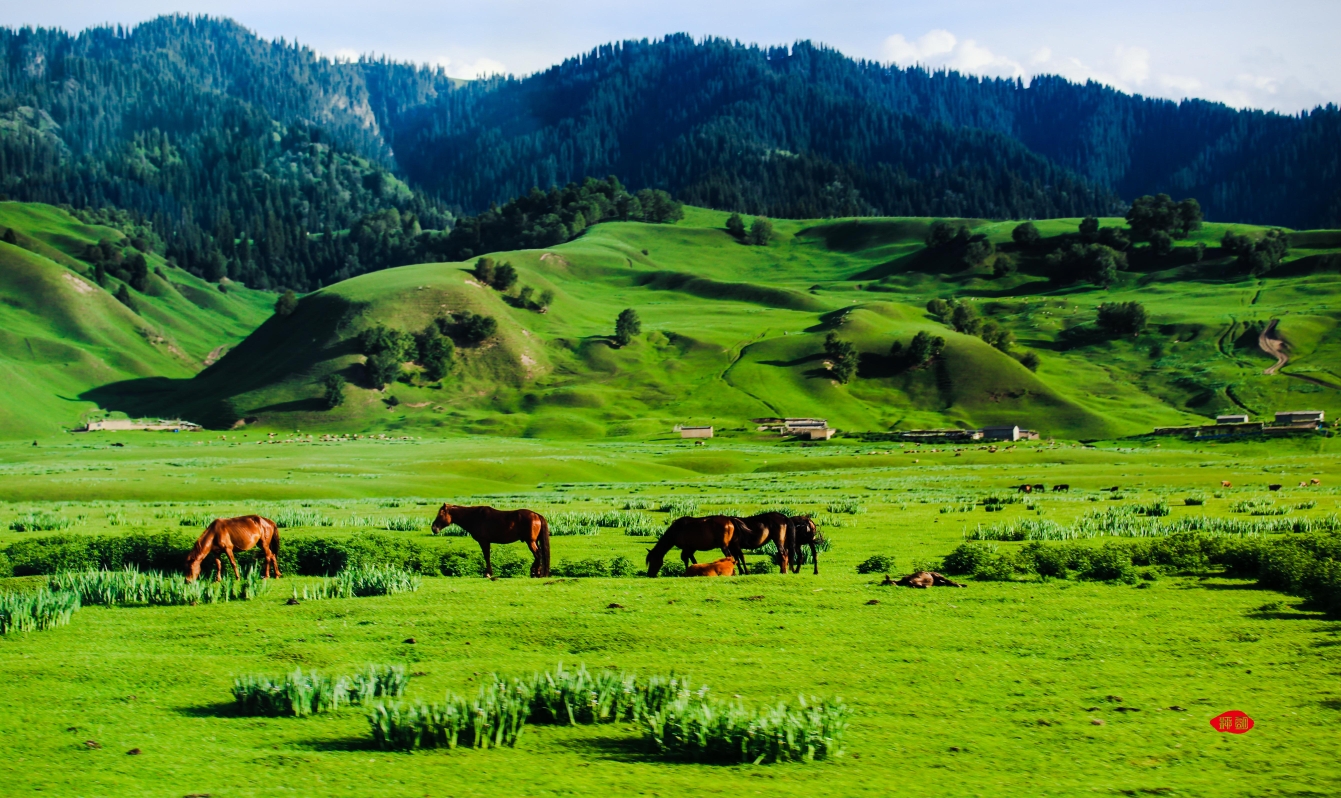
(1298, 418)
(1232, 418)
(152, 425)
(1001, 433)
(695, 432)
(1221, 429)
(816, 433)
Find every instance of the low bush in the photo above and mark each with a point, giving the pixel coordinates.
(36, 610)
(494, 718)
(968, 558)
(877, 564)
(40, 522)
(1195, 500)
(594, 567)
(358, 581)
(130, 586)
(165, 551)
(702, 729)
(298, 694)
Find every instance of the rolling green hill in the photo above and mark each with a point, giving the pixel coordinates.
(62, 335)
(733, 331)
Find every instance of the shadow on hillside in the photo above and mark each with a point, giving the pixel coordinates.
(800, 361)
(312, 405)
(140, 397)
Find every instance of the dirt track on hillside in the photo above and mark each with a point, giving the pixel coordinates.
(1273, 346)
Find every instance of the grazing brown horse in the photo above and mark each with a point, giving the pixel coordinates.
(690, 534)
(757, 530)
(489, 526)
(723, 567)
(804, 533)
(224, 535)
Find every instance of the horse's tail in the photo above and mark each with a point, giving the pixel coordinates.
(542, 546)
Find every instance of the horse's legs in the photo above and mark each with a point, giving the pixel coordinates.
(488, 562)
(814, 556)
(233, 560)
(218, 566)
(781, 543)
(535, 558)
(687, 557)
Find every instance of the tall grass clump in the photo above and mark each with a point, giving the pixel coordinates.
(403, 523)
(40, 522)
(298, 694)
(578, 696)
(679, 507)
(492, 719)
(702, 729)
(36, 610)
(131, 586)
(846, 506)
(569, 524)
(357, 581)
(295, 517)
(1195, 500)
(196, 519)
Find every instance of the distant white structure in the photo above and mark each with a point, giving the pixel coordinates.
(1002, 433)
(695, 432)
(1232, 418)
(152, 425)
(1296, 418)
(811, 429)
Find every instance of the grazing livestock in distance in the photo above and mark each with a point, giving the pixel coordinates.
(1315, 481)
(1224, 483)
(723, 567)
(804, 533)
(1040, 488)
(757, 530)
(923, 579)
(1061, 488)
(1273, 487)
(223, 535)
(1026, 489)
(690, 534)
(488, 526)
(1114, 489)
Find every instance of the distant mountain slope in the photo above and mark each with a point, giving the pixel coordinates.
(251, 158)
(732, 332)
(62, 335)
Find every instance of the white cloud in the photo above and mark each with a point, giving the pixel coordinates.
(941, 48)
(479, 68)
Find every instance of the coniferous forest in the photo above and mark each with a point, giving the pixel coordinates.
(264, 162)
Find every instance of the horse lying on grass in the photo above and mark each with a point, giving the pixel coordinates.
(922, 579)
(224, 535)
(723, 567)
(488, 526)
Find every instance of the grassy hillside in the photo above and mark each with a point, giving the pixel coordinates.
(62, 336)
(732, 331)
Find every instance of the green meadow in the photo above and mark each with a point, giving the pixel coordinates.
(1023, 687)
(1015, 685)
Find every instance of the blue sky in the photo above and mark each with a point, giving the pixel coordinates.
(1281, 55)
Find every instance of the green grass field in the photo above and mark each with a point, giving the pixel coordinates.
(1026, 687)
(998, 689)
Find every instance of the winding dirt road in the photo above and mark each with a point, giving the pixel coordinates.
(1269, 343)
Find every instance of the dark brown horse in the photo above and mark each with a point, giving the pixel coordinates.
(804, 533)
(224, 535)
(689, 535)
(489, 526)
(757, 530)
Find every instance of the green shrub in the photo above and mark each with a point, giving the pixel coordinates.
(877, 564)
(968, 558)
(590, 567)
(298, 694)
(456, 562)
(706, 730)
(40, 522)
(494, 718)
(130, 586)
(1195, 500)
(362, 580)
(36, 610)
(6, 567)
(1111, 562)
(165, 551)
